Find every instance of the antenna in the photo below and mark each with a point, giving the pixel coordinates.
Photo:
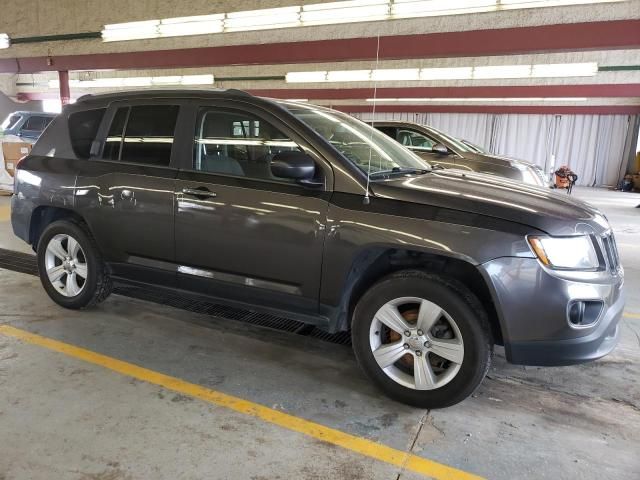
(366, 199)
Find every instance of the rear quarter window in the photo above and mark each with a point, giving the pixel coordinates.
(83, 127)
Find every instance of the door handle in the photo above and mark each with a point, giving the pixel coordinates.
(199, 192)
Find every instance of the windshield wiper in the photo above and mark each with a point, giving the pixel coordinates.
(401, 171)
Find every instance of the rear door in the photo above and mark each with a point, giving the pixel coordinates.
(242, 233)
(126, 191)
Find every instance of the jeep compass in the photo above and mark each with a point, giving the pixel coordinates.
(298, 210)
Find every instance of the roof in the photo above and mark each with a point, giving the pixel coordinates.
(33, 112)
(165, 93)
(393, 122)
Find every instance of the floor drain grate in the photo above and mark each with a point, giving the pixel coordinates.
(26, 263)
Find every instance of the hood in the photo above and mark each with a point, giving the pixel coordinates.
(496, 159)
(542, 208)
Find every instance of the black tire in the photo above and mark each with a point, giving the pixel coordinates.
(463, 307)
(97, 285)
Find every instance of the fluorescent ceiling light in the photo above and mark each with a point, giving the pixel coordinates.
(395, 74)
(427, 8)
(4, 40)
(266, 18)
(131, 31)
(513, 4)
(197, 25)
(349, 76)
(348, 11)
(502, 71)
(344, 12)
(455, 73)
(115, 82)
(565, 70)
(206, 79)
(306, 77)
(479, 100)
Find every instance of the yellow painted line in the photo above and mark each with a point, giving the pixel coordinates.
(353, 443)
(631, 315)
(5, 214)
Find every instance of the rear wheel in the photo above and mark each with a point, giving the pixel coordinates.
(71, 268)
(423, 338)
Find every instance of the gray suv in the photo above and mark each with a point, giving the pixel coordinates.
(298, 210)
(28, 125)
(445, 151)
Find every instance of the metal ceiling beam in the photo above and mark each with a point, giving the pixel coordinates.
(594, 90)
(535, 109)
(534, 91)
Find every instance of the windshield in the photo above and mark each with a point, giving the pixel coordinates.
(457, 144)
(474, 147)
(10, 122)
(358, 142)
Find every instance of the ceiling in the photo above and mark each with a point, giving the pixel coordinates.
(568, 58)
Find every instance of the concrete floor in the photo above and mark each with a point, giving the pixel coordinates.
(63, 418)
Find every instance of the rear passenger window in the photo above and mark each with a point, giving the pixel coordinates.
(142, 134)
(83, 127)
(238, 143)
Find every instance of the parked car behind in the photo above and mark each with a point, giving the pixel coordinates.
(28, 125)
(473, 147)
(438, 148)
(298, 210)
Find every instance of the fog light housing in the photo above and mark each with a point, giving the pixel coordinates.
(584, 313)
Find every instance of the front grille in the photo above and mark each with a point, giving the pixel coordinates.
(611, 252)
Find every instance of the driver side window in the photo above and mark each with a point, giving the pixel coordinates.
(237, 143)
(415, 140)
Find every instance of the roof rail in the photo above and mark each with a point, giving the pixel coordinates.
(160, 92)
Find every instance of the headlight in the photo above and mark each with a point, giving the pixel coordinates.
(570, 253)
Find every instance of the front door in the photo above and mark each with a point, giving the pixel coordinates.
(242, 233)
(126, 193)
(423, 146)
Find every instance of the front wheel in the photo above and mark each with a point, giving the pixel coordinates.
(424, 339)
(71, 267)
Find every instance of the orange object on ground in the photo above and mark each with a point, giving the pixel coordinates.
(565, 178)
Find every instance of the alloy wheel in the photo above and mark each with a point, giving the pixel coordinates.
(416, 343)
(66, 265)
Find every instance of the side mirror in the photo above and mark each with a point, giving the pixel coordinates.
(440, 149)
(436, 166)
(295, 165)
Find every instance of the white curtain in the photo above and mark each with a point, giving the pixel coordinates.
(591, 145)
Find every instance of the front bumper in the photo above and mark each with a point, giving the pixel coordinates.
(532, 308)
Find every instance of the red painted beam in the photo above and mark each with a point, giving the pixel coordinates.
(595, 90)
(522, 109)
(589, 91)
(547, 38)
